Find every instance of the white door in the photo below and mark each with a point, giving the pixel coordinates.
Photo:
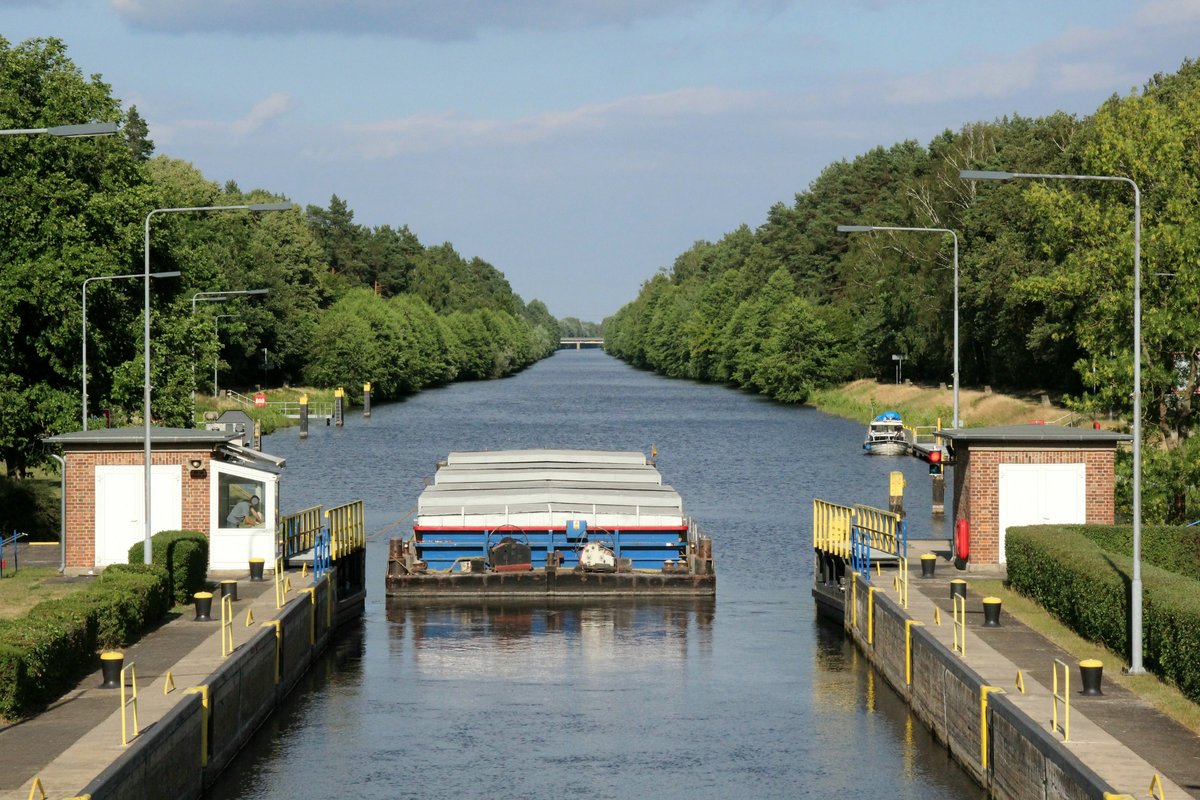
(121, 507)
(1041, 494)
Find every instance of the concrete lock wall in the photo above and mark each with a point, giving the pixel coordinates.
(1024, 760)
(296, 621)
(241, 694)
(164, 762)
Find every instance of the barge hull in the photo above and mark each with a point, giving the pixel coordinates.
(550, 584)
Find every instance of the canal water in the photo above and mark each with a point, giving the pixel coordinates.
(748, 696)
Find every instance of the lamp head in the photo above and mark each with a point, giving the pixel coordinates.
(985, 175)
(855, 228)
(87, 129)
(269, 206)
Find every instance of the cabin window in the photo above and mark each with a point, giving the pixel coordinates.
(241, 502)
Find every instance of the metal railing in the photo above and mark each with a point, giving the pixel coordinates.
(288, 408)
(347, 529)
(831, 528)
(298, 532)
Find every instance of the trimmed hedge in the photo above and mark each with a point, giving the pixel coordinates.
(1088, 588)
(1175, 548)
(184, 555)
(47, 651)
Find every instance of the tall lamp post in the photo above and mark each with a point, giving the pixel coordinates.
(146, 332)
(1135, 600)
(86, 281)
(872, 228)
(217, 356)
(213, 297)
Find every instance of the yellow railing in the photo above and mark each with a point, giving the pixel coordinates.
(960, 624)
(1063, 697)
(831, 528)
(129, 701)
(347, 529)
(226, 625)
(883, 530)
(298, 532)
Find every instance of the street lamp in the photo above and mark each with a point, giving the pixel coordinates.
(212, 297)
(86, 281)
(217, 356)
(1135, 600)
(870, 228)
(146, 332)
(67, 131)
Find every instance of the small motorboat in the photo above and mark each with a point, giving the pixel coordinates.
(886, 435)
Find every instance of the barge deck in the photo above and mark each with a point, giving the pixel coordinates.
(550, 523)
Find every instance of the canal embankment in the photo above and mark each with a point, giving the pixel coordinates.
(202, 689)
(988, 694)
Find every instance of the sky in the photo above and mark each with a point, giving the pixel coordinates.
(579, 146)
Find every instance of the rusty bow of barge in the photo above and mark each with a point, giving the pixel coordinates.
(553, 523)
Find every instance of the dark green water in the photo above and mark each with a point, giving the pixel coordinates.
(751, 696)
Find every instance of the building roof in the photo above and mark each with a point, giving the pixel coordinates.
(1031, 433)
(123, 437)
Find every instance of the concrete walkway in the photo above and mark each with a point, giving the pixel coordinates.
(74, 740)
(1118, 735)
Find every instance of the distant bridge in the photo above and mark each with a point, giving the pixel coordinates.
(581, 342)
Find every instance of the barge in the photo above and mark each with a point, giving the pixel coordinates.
(550, 523)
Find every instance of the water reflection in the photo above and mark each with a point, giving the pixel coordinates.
(510, 638)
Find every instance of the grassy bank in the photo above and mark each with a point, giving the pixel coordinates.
(925, 405)
(270, 418)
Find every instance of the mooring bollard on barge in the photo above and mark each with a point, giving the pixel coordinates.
(553, 523)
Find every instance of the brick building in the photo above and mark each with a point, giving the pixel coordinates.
(1012, 475)
(200, 480)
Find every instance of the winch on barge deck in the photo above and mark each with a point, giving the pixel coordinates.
(554, 523)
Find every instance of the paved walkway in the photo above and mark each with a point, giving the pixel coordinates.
(1118, 735)
(74, 740)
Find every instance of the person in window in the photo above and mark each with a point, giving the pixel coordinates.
(245, 514)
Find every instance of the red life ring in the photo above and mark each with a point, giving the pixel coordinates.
(962, 540)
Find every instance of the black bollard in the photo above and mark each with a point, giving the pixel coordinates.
(111, 662)
(1091, 672)
(203, 606)
(928, 565)
(958, 587)
(256, 569)
(991, 612)
(229, 589)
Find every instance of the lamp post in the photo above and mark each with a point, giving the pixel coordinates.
(212, 297)
(217, 356)
(872, 228)
(1135, 599)
(86, 281)
(146, 332)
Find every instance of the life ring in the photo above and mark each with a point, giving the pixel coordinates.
(962, 543)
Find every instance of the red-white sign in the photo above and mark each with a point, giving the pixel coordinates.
(260, 400)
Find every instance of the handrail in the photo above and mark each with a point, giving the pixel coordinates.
(347, 529)
(831, 527)
(298, 532)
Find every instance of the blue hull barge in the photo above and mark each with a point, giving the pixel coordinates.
(550, 523)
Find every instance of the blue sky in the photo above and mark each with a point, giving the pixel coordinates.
(581, 145)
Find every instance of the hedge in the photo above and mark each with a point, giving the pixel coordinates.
(45, 653)
(1175, 548)
(184, 555)
(1087, 587)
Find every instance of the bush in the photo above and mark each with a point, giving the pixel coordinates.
(1088, 588)
(1175, 548)
(45, 652)
(29, 506)
(184, 556)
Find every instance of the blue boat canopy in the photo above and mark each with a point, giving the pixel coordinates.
(888, 416)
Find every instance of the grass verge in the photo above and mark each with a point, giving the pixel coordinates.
(30, 586)
(1163, 696)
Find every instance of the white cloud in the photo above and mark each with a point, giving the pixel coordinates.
(388, 138)
(265, 111)
(997, 78)
(1165, 13)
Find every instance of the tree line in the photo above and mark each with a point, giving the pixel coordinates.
(345, 303)
(1045, 276)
